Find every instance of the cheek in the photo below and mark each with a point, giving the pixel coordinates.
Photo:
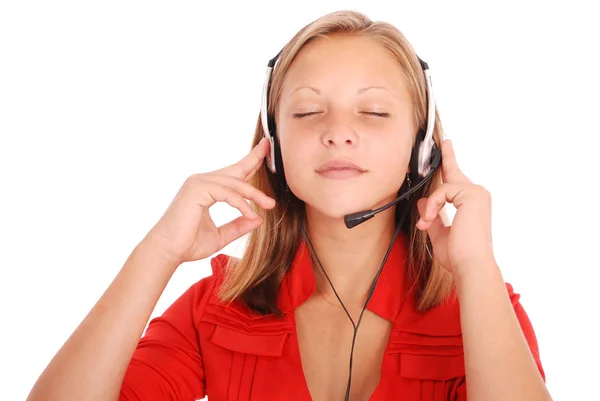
(296, 152)
(298, 166)
(287, 139)
(390, 165)
(392, 150)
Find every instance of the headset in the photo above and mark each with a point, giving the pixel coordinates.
(425, 160)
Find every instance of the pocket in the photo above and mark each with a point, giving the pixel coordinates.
(431, 377)
(245, 350)
(261, 344)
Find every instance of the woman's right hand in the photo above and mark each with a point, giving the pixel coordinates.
(186, 232)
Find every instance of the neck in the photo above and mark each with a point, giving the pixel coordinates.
(350, 257)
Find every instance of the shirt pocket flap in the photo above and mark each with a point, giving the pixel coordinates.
(268, 345)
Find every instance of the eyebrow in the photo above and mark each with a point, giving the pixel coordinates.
(359, 92)
(363, 90)
(318, 92)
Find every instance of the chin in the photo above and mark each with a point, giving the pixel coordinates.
(337, 199)
(336, 207)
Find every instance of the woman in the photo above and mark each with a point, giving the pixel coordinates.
(400, 306)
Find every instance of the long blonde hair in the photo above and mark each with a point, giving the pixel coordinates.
(255, 278)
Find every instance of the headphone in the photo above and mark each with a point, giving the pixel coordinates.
(425, 158)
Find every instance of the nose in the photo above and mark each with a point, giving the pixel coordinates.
(339, 132)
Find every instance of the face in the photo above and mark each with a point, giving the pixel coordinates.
(345, 103)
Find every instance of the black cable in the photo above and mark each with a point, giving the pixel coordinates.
(355, 326)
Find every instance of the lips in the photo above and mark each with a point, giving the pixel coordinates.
(338, 165)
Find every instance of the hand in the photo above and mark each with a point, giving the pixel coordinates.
(468, 241)
(186, 231)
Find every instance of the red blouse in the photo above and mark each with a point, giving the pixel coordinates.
(201, 347)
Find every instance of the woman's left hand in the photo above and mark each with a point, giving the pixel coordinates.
(468, 241)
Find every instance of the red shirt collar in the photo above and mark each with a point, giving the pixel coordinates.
(299, 283)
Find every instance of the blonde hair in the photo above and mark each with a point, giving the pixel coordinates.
(255, 278)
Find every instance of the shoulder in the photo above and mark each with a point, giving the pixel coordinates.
(218, 265)
(201, 293)
(431, 341)
(208, 286)
(443, 320)
(232, 325)
(206, 292)
(438, 330)
(201, 301)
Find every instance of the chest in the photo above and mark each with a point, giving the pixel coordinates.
(325, 335)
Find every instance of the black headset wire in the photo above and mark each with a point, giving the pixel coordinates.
(357, 324)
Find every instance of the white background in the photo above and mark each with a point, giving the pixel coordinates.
(106, 108)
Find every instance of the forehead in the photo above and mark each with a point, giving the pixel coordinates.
(341, 60)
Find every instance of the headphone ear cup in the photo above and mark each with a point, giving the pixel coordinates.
(414, 158)
(278, 160)
(271, 157)
(277, 163)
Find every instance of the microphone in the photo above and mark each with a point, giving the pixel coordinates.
(354, 219)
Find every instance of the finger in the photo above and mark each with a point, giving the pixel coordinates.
(221, 193)
(235, 229)
(436, 230)
(258, 165)
(245, 168)
(428, 222)
(445, 193)
(246, 190)
(450, 170)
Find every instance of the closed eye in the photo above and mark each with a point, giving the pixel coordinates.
(301, 115)
(373, 113)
